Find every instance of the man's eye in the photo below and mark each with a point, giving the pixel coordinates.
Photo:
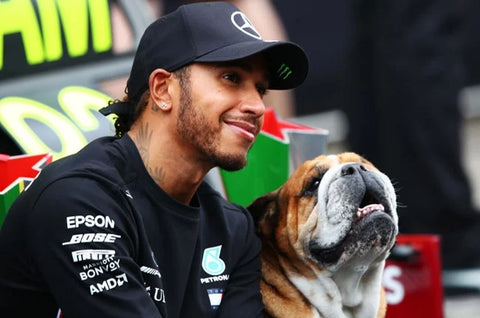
(234, 78)
(261, 90)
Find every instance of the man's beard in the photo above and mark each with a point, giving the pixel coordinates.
(193, 127)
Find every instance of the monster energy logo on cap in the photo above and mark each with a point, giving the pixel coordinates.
(284, 71)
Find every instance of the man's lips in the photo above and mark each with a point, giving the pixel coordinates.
(246, 129)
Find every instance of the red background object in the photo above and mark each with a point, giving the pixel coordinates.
(414, 287)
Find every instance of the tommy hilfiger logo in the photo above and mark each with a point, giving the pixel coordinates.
(211, 262)
(215, 296)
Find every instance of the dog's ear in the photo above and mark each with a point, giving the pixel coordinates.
(262, 205)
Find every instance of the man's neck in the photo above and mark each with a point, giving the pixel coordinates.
(172, 170)
(181, 181)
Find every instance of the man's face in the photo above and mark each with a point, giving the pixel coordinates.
(221, 110)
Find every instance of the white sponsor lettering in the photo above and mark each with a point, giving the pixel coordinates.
(100, 263)
(151, 271)
(212, 279)
(158, 294)
(83, 255)
(99, 270)
(395, 292)
(92, 237)
(108, 284)
(101, 221)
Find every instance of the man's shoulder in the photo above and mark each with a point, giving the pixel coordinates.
(93, 162)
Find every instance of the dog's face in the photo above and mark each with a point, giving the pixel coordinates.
(337, 211)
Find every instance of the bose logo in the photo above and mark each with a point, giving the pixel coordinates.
(92, 237)
(101, 221)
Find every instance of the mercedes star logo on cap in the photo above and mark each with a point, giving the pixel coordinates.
(241, 22)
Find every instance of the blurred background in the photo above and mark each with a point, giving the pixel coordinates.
(398, 82)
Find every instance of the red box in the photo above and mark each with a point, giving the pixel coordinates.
(414, 285)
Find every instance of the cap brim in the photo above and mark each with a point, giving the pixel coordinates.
(287, 62)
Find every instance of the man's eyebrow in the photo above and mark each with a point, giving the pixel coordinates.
(236, 63)
(247, 67)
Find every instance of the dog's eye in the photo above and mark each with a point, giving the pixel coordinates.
(311, 188)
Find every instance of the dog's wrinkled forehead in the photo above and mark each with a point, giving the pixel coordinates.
(311, 172)
(352, 157)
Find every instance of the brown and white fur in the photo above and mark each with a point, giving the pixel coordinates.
(325, 236)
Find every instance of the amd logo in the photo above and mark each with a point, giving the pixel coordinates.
(108, 284)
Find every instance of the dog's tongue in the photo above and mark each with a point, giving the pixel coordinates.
(361, 212)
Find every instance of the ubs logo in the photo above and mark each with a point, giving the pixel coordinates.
(241, 22)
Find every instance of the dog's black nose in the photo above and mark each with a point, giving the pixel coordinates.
(352, 168)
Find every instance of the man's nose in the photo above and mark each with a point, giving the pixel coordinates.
(253, 103)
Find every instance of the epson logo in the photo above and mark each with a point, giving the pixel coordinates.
(96, 255)
(92, 237)
(101, 221)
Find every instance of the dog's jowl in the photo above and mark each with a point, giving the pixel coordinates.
(326, 234)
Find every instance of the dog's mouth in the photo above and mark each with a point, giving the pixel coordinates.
(373, 226)
(371, 202)
(367, 210)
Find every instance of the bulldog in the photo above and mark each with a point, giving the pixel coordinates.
(325, 236)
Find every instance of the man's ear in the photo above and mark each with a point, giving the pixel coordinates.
(158, 83)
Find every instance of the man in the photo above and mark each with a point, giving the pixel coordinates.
(127, 227)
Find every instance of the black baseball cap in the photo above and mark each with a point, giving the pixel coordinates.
(211, 32)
